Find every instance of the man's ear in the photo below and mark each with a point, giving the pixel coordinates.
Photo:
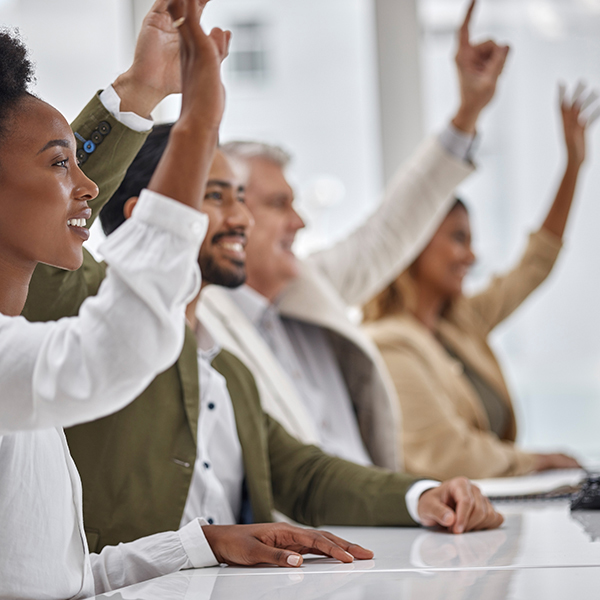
(129, 206)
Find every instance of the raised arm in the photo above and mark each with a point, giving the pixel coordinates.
(507, 292)
(419, 195)
(576, 114)
(193, 139)
(85, 367)
(154, 74)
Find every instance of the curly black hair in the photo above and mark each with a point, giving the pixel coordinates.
(16, 73)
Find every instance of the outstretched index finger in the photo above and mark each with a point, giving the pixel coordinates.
(464, 28)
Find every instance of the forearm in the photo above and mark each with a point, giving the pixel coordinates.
(80, 369)
(183, 170)
(556, 220)
(466, 117)
(317, 489)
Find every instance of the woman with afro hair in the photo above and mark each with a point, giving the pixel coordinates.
(55, 374)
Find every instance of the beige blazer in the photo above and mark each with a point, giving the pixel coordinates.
(445, 430)
(348, 274)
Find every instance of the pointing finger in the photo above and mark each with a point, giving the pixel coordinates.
(464, 28)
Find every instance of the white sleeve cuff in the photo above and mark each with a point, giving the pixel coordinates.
(414, 493)
(164, 212)
(112, 102)
(196, 546)
(458, 143)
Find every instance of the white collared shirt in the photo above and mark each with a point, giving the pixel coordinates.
(306, 355)
(215, 492)
(77, 369)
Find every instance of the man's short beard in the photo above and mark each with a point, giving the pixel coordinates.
(229, 278)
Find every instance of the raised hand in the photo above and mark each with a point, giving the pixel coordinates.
(183, 169)
(277, 544)
(577, 113)
(459, 506)
(201, 56)
(479, 67)
(155, 72)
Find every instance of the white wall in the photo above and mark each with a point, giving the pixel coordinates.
(79, 46)
(319, 101)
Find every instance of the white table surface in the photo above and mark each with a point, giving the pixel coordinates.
(543, 550)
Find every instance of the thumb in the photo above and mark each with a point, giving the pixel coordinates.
(498, 59)
(221, 39)
(434, 512)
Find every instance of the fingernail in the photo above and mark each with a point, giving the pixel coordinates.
(350, 556)
(293, 560)
(447, 518)
(460, 529)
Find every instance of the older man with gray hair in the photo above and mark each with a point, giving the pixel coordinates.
(318, 375)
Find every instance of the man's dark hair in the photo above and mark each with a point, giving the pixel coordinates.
(16, 73)
(137, 177)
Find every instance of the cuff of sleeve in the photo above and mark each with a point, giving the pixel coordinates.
(196, 546)
(545, 242)
(163, 212)
(112, 102)
(414, 493)
(458, 143)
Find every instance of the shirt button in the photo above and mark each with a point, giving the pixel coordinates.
(210, 521)
(206, 465)
(211, 406)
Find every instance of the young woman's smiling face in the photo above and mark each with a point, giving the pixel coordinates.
(43, 192)
(446, 260)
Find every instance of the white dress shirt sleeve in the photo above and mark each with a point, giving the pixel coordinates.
(459, 143)
(152, 556)
(415, 491)
(112, 102)
(78, 369)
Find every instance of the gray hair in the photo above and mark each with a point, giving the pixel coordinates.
(248, 150)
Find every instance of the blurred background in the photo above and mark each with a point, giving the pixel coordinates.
(350, 87)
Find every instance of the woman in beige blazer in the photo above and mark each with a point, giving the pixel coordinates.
(457, 413)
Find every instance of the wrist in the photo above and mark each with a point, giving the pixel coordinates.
(136, 97)
(573, 165)
(211, 533)
(466, 118)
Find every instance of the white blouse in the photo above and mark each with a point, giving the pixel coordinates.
(78, 369)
